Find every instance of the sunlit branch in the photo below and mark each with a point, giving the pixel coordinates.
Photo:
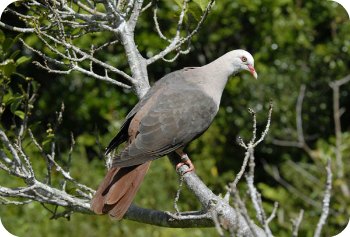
(296, 223)
(326, 201)
(177, 41)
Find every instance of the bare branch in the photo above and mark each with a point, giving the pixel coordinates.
(64, 17)
(5, 201)
(335, 85)
(326, 201)
(89, 9)
(207, 198)
(239, 175)
(300, 143)
(296, 223)
(17, 29)
(88, 56)
(156, 23)
(287, 143)
(166, 219)
(10, 147)
(267, 127)
(253, 114)
(340, 82)
(253, 192)
(135, 14)
(273, 213)
(181, 18)
(299, 114)
(112, 8)
(241, 208)
(275, 173)
(137, 63)
(177, 41)
(177, 197)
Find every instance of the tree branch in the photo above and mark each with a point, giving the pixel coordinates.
(326, 201)
(300, 141)
(211, 202)
(57, 32)
(177, 41)
(335, 85)
(166, 219)
(296, 223)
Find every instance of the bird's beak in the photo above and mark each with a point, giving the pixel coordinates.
(252, 71)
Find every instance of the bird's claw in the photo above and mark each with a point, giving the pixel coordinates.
(185, 161)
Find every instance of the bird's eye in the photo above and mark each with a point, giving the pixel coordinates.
(244, 59)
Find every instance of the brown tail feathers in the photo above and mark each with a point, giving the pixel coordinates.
(118, 189)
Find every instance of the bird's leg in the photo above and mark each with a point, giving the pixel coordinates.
(185, 160)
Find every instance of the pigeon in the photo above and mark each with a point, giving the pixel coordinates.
(177, 109)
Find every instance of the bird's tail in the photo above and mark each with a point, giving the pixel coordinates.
(118, 189)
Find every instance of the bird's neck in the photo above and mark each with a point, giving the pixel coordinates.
(215, 76)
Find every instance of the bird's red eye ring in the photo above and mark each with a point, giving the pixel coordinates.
(244, 59)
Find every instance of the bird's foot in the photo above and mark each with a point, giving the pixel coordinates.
(185, 161)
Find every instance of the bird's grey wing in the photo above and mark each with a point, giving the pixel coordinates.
(122, 135)
(178, 116)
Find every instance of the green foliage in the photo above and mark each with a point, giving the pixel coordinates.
(308, 194)
(293, 43)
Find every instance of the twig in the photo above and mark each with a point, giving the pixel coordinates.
(65, 174)
(177, 197)
(267, 127)
(275, 173)
(273, 213)
(9, 146)
(217, 223)
(300, 140)
(177, 41)
(249, 160)
(241, 172)
(17, 29)
(181, 18)
(326, 201)
(299, 120)
(335, 85)
(156, 23)
(296, 223)
(241, 208)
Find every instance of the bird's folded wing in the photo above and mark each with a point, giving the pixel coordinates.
(176, 117)
(153, 92)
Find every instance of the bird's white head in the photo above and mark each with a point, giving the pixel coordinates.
(242, 60)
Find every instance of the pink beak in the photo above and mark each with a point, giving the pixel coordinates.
(252, 71)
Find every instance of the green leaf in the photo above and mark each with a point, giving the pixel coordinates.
(20, 114)
(14, 54)
(16, 39)
(202, 4)
(22, 60)
(179, 2)
(7, 44)
(15, 102)
(7, 68)
(7, 97)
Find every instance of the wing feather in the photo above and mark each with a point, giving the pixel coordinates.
(175, 118)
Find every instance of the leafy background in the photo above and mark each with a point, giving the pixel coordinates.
(294, 43)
